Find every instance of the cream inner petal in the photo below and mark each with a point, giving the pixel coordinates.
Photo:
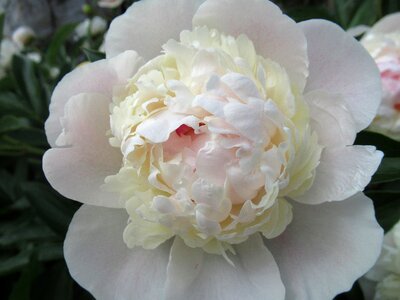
(215, 139)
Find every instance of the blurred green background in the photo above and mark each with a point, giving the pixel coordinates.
(34, 218)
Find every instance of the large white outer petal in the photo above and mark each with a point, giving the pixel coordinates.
(387, 24)
(274, 35)
(195, 275)
(148, 24)
(331, 119)
(98, 77)
(342, 172)
(99, 260)
(327, 247)
(78, 170)
(340, 65)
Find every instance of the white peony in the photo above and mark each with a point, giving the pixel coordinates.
(207, 147)
(383, 43)
(382, 282)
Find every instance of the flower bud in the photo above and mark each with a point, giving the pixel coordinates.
(22, 36)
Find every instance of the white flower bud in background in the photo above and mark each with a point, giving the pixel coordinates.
(34, 56)
(8, 49)
(110, 3)
(382, 282)
(23, 35)
(94, 26)
(54, 72)
(382, 42)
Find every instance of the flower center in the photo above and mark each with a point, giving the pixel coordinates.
(184, 130)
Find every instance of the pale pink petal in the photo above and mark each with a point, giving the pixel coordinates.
(331, 119)
(340, 65)
(98, 77)
(148, 24)
(242, 86)
(99, 260)
(387, 24)
(212, 161)
(274, 35)
(342, 172)
(250, 120)
(327, 247)
(195, 275)
(78, 170)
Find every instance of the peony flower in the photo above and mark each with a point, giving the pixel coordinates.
(110, 3)
(94, 26)
(212, 150)
(22, 36)
(382, 282)
(383, 43)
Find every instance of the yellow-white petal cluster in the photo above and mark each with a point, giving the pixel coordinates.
(215, 139)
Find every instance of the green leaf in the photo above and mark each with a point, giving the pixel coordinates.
(7, 185)
(12, 123)
(27, 233)
(55, 283)
(56, 48)
(30, 136)
(390, 6)
(22, 288)
(387, 207)
(55, 211)
(390, 147)
(388, 171)
(93, 55)
(302, 13)
(6, 84)
(367, 14)
(2, 16)
(26, 75)
(345, 10)
(50, 251)
(15, 263)
(11, 104)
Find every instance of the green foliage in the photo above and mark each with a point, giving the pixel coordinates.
(33, 217)
(93, 55)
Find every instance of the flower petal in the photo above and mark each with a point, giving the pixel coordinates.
(264, 23)
(100, 261)
(331, 119)
(387, 24)
(340, 65)
(78, 171)
(98, 77)
(342, 172)
(194, 274)
(327, 247)
(148, 24)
